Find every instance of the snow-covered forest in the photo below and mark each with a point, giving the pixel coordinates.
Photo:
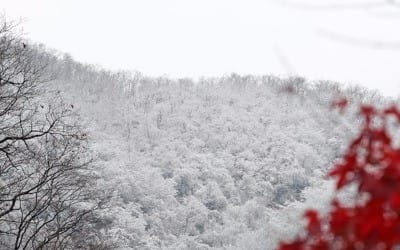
(229, 162)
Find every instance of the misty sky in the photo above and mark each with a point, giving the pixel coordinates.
(185, 38)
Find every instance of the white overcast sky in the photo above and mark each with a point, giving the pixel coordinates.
(188, 38)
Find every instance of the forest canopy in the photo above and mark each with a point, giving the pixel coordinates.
(95, 159)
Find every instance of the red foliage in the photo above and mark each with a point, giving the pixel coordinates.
(290, 89)
(373, 165)
(340, 104)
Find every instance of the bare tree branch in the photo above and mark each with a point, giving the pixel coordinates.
(358, 41)
(43, 160)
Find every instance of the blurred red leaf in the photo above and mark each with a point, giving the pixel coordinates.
(373, 221)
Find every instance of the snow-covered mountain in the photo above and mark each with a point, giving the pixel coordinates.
(216, 163)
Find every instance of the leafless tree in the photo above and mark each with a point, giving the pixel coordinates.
(43, 160)
(384, 8)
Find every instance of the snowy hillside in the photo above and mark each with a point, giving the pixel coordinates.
(220, 163)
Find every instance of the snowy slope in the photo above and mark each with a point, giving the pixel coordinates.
(221, 163)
